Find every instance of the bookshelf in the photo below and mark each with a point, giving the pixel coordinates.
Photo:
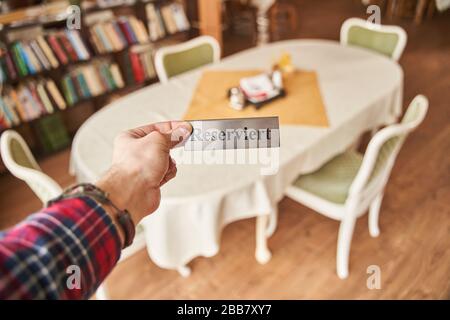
(115, 68)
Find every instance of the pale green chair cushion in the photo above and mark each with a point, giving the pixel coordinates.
(180, 62)
(382, 42)
(19, 155)
(333, 180)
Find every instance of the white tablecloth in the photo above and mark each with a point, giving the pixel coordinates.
(360, 89)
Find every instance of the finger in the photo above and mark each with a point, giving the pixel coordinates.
(173, 138)
(171, 173)
(162, 127)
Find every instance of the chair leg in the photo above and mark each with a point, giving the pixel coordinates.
(101, 293)
(273, 222)
(420, 10)
(184, 271)
(374, 213)
(343, 246)
(262, 253)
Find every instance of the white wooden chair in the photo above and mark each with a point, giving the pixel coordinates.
(19, 160)
(350, 184)
(173, 60)
(387, 40)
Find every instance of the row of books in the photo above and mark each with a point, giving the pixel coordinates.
(91, 80)
(118, 34)
(29, 101)
(138, 64)
(168, 19)
(42, 53)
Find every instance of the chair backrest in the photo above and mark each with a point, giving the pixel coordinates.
(387, 40)
(382, 152)
(19, 160)
(173, 60)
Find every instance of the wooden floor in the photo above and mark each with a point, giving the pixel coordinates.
(413, 250)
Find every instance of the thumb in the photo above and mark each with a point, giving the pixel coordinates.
(173, 138)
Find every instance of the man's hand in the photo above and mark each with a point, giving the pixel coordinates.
(141, 165)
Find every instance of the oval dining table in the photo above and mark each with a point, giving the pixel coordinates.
(361, 90)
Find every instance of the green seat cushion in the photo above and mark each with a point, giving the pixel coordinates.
(333, 180)
(19, 155)
(183, 61)
(381, 42)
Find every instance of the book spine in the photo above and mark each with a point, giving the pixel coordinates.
(19, 107)
(10, 105)
(76, 85)
(55, 94)
(119, 33)
(71, 53)
(112, 37)
(40, 55)
(26, 58)
(137, 68)
(44, 97)
(98, 29)
(18, 59)
(25, 100)
(117, 76)
(32, 58)
(126, 31)
(75, 45)
(83, 85)
(62, 57)
(81, 44)
(37, 102)
(12, 73)
(67, 92)
(47, 51)
(9, 116)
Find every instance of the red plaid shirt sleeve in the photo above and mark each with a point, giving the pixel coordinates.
(64, 251)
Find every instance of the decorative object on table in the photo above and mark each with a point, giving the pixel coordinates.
(350, 184)
(303, 105)
(387, 40)
(257, 90)
(284, 63)
(237, 98)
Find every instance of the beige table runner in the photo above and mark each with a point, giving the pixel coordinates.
(302, 104)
